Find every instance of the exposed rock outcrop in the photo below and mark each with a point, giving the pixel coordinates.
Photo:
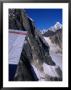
(15, 19)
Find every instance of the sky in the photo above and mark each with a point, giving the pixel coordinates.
(45, 18)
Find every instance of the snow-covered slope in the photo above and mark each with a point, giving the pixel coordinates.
(56, 56)
(47, 73)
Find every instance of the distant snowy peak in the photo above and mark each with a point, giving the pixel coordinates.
(43, 31)
(58, 26)
(55, 27)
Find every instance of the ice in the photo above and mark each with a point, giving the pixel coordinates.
(56, 57)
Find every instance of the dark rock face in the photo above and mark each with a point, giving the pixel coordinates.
(40, 48)
(25, 71)
(15, 19)
(48, 33)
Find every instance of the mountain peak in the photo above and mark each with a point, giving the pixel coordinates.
(58, 25)
(55, 27)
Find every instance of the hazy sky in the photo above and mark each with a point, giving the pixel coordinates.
(44, 18)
